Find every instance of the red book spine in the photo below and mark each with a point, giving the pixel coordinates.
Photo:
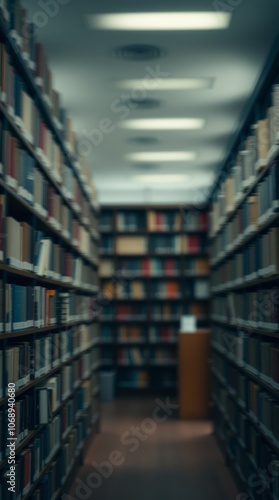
(169, 266)
(145, 267)
(203, 221)
(158, 219)
(194, 246)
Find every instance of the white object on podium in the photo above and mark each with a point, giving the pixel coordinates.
(188, 324)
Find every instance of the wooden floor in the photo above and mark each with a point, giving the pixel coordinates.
(168, 460)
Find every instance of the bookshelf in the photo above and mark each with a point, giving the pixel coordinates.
(153, 268)
(244, 250)
(49, 336)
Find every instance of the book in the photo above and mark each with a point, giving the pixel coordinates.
(130, 245)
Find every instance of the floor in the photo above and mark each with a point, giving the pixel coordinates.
(145, 452)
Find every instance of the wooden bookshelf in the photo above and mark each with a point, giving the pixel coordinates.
(244, 241)
(47, 317)
(152, 289)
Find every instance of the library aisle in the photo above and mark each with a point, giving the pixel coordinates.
(175, 460)
(139, 250)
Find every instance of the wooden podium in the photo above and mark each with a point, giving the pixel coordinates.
(194, 375)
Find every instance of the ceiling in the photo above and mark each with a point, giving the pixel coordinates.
(85, 65)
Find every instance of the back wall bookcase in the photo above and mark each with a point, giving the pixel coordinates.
(153, 269)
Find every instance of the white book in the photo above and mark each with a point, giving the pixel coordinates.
(44, 257)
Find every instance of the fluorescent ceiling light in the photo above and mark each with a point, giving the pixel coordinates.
(161, 21)
(162, 179)
(167, 84)
(161, 156)
(163, 124)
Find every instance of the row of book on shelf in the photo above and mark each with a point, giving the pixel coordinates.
(29, 250)
(154, 220)
(257, 259)
(165, 311)
(256, 356)
(23, 307)
(23, 241)
(249, 309)
(254, 210)
(138, 333)
(257, 209)
(159, 244)
(259, 251)
(22, 361)
(21, 172)
(153, 266)
(195, 289)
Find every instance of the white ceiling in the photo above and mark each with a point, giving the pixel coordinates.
(84, 65)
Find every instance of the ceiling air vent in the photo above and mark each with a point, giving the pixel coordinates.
(139, 52)
(144, 141)
(147, 103)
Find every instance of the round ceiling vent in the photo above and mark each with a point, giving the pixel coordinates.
(139, 52)
(147, 103)
(144, 141)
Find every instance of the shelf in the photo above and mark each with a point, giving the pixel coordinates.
(245, 284)
(248, 328)
(163, 342)
(31, 211)
(41, 279)
(47, 375)
(45, 329)
(132, 276)
(244, 197)
(247, 372)
(147, 232)
(245, 240)
(127, 320)
(128, 299)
